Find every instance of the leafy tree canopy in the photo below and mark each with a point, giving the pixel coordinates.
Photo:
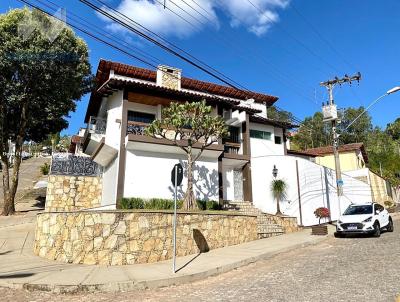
(382, 145)
(194, 124)
(44, 69)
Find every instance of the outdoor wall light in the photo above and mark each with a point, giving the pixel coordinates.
(275, 171)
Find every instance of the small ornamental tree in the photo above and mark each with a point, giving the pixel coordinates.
(44, 69)
(321, 213)
(279, 192)
(191, 127)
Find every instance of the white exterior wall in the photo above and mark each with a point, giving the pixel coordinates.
(317, 188)
(113, 104)
(262, 147)
(156, 110)
(228, 189)
(110, 176)
(114, 112)
(148, 175)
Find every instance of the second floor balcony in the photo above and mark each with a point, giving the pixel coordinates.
(97, 125)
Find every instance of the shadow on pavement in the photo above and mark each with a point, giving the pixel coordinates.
(20, 275)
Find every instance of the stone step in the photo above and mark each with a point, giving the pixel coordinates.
(269, 228)
(268, 235)
(267, 224)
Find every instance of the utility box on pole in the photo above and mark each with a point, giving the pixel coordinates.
(329, 112)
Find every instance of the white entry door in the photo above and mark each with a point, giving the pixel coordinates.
(238, 184)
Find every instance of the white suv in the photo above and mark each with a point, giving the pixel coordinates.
(369, 218)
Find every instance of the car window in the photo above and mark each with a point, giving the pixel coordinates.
(378, 207)
(358, 210)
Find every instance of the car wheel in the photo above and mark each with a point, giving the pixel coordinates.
(338, 235)
(389, 227)
(377, 230)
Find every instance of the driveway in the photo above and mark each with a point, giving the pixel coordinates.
(350, 269)
(29, 174)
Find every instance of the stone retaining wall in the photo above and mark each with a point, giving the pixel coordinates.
(122, 237)
(288, 223)
(67, 193)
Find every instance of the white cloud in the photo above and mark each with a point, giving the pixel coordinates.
(152, 15)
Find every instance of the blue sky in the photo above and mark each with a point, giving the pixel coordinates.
(273, 49)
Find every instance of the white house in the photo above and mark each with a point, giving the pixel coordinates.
(128, 98)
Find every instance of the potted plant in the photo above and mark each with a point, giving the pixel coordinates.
(319, 229)
(278, 189)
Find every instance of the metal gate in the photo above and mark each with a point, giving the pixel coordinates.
(238, 184)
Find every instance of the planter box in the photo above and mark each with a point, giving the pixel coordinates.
(319, 230)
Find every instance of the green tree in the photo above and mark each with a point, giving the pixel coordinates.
(357, 132)
(193, 124)
(313, 133)
(393, 129)
(279, 192)
(280, 115)
(41, 76)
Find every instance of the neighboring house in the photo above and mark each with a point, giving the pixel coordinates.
(128, 98)
(302, 154)
(353, 160)
(76, 145)
(352, 156)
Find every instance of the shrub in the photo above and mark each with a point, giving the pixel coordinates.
(151, 204)
(132, 203)
(201, 204)
(159, 204)
(45, 169)
(213, 205)
(164, 204)
(321, 213)
(208, 205)
(389, 204)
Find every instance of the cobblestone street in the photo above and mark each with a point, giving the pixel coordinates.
(351, 269)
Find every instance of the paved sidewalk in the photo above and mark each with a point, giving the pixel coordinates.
(20, 268)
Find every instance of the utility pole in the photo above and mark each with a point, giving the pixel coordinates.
(330, 114)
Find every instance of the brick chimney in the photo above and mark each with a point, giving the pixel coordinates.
(169, 77)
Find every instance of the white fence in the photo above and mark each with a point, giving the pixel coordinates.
(317, 188)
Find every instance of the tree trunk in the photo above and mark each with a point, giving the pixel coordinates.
(10, 191)
(278, 207)
(190, 202)
(8, 205)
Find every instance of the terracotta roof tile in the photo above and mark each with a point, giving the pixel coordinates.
(342, 148)
(186, 83)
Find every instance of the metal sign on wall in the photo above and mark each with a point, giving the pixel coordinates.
(68, 164)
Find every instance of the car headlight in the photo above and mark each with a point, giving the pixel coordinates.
(368, 219)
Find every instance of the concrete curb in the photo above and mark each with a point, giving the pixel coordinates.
(153, 282)
(157, 283)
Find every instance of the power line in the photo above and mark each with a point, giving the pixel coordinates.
(293, 37)
(231, 45)
(280, 77)
(321, 37)
(189, 59)
(250, 51)
(100, 31)
(160, 44)
(101, 40)
(329, 44)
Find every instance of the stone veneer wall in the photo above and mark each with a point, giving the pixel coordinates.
(288, 223)
(122, 237)
(67, 193)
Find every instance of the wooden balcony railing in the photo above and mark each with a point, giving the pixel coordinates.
(232, 148)
(136, 128)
